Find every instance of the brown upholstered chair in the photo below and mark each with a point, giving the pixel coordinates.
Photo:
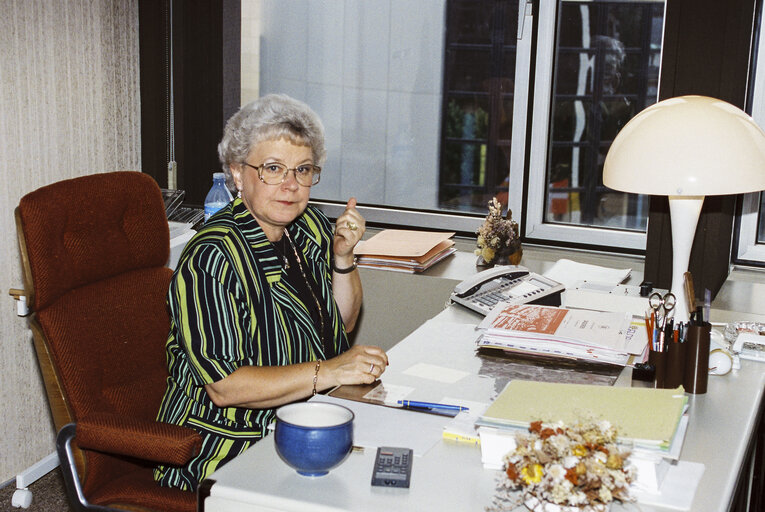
(93, 252)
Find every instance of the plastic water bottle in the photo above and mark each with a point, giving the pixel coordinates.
(218, 196)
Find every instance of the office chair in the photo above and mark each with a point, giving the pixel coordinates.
(93, 253)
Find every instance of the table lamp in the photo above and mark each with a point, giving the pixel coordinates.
(686, 148)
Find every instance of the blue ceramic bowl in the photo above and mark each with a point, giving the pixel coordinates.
(313, 437)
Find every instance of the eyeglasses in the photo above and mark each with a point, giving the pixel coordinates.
(274, 173)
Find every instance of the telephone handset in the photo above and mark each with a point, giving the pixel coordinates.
(508, 283)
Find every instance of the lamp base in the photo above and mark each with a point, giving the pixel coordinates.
(684, 214)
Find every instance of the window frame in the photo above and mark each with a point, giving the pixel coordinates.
(747, 250)
(537, 230)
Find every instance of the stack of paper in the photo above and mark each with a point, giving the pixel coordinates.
(647, 418)
(404, 250)
(462, 428)
(548, 331)
(573, 273)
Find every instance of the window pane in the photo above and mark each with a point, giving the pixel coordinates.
(606, 71)
(478, 103)
(475, 22)
(469, 70)
(467, 117)
(750, 222)
(416, 97)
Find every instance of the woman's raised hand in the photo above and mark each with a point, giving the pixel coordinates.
(349, 229)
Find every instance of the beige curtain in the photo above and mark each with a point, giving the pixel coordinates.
(69, 105)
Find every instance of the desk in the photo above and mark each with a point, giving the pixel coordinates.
(450, 476)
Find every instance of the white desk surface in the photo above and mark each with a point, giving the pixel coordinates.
(450, 475)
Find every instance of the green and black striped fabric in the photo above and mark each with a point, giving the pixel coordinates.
(231, 306)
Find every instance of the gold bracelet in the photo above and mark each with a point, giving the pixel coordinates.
(316, 376)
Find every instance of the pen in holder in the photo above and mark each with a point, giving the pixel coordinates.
(697, 358)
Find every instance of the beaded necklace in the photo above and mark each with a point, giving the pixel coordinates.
(280, 247)
(308, 285)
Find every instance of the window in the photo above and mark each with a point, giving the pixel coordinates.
(476, 124)
(426, 105)
(751, 241)
(600, 63)
(751, 222)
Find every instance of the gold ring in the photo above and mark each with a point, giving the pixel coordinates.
(351, 225)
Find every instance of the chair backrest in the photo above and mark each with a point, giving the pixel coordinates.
(94, 251)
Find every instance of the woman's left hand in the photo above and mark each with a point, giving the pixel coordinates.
(361, 364)
(349, 229)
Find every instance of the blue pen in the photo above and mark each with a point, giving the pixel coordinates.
(430, 405)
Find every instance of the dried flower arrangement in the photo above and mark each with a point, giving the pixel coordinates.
(497, 236)
(579, 468)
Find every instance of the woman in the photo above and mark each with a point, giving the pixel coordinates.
(263, 295)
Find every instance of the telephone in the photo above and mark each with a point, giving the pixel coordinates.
(507, 283)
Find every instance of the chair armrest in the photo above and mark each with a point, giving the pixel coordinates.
(17, 293)
(148, 440)
(21, 298)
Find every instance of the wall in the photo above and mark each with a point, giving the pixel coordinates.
(69, 106)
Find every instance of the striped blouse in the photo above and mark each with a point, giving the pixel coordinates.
(230, 306)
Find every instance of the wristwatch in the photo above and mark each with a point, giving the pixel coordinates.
(346, 270)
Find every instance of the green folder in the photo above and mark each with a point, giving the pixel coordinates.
(643, 416)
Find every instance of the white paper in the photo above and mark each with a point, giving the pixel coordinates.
(570, 273)
(463, 424)
(437, 373)
(678, 488)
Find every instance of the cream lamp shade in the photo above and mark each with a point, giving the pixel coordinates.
(686, 148)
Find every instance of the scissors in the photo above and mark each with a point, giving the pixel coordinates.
(662, 305)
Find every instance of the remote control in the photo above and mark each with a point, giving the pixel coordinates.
(393, 467)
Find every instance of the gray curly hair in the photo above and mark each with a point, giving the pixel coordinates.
(272, 117)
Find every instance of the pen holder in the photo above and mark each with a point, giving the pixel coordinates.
(675, 365)
(643, 372)
(697, 359)
(658, 360)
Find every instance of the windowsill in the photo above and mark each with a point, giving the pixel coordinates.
(740, 298)
(538, 259)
